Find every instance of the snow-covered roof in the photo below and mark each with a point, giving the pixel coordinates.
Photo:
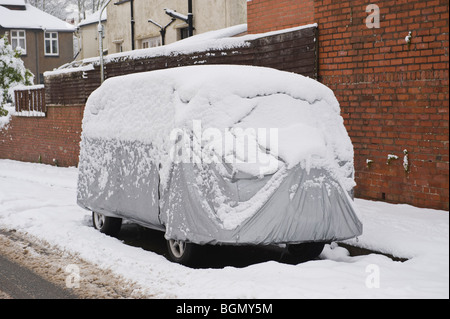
(93, 18)
(31, 18)
(12, 2)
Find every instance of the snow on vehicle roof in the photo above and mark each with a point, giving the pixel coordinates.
(31, 18)
(148, 107)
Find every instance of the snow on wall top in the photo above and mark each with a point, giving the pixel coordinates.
(31, 18)
(147, 107)
(213, 40)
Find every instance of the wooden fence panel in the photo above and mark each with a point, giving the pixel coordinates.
(30, 101)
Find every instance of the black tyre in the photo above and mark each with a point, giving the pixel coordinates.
(306, 251)
(182, 252)
(106, 225)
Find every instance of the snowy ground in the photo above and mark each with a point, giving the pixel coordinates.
(39, 201)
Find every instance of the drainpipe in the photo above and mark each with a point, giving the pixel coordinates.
(132, 18)
(132, 24)
(190, 19)
(100, 42)
(36, 47)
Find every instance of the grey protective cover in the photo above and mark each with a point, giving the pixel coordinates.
(122, 178)
(127, 185)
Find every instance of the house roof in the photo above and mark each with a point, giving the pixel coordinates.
(12, 2)
(93, 18)
(31, 18)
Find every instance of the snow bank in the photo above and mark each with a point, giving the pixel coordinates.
(388, 233)
(39, 173)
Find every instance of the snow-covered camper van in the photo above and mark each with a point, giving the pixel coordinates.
(219, 155)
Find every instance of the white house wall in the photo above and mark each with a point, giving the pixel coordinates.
(208, 15)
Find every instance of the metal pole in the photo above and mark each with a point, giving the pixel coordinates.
(162, 29)
(100, 42)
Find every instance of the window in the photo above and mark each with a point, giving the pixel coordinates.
(184, 33)
(51, 43)
(18, 40)
(119, 47)
(151, 42)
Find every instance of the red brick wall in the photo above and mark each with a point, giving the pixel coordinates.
(271, 15)
(393, 96)
(55, 137)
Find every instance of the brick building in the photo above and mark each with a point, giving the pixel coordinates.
(387, 62)
(46, 41)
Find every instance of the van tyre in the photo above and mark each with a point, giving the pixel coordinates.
(182, 252)
(107, 225)
(306, 251)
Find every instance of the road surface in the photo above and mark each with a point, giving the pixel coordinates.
(17, 282)
(31, 269)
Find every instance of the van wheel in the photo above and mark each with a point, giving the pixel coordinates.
(305, 251)
(106, 225)
(181, 252)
